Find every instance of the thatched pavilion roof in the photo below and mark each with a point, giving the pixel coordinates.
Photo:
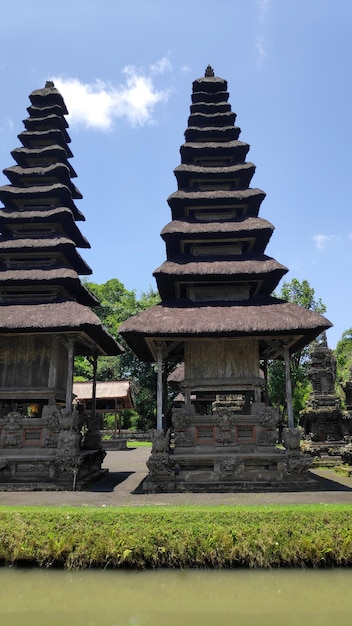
(60, 317)
(259, 317)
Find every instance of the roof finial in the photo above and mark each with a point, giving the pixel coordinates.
(49, 84)
(209, 71)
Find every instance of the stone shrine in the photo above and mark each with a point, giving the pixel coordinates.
(45, 311)
(323, 418)
(217, 317)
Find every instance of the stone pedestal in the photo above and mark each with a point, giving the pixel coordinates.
(227, 451)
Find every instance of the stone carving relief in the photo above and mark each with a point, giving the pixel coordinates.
(269, 417)
(297, 464)
(180, 419)
(4, 467)
(160, 441)
(52, 415)
(225, 437)
(225, 419)
(12, 440)
(158, 464)
(184, 440)
(227, 467)
(13, 421)
(267, 438)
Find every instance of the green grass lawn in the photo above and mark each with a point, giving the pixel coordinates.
(139, 444)
(177, 536)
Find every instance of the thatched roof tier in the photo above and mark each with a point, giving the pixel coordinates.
(50, 109)
(204, 120)
(191, 176)
(264, 272)
(28, 220)
(43, 247)
(31, 157)
(248, 199)
(48, 96)
(55, 173)
(48, 122)
(32, 139)
(212, 133)
(267, 318)
(212, 84)
(253, 234)
(210, 108)
(233, 150)
(39, 280)
(60, 317)
(185, 227)
(49, 196)
(242, 266)
(203, 97)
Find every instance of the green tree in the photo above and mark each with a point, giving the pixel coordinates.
(302, 294)
(116, 305)
(343, 354)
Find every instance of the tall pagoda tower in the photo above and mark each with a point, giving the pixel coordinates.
(45, 310)
(218, 318)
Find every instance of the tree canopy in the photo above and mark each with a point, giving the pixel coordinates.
(116, 305)
(302, 294)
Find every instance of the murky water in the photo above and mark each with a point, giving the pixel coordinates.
(35, 597)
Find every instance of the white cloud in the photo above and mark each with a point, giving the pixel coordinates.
(323, 241)
(263, 6)
(260, 44)
(99, 104)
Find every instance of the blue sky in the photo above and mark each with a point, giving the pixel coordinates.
(125, 69)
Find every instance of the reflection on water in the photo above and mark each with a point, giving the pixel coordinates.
(35, 597)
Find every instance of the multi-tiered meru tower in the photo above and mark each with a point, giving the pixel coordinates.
(218, 317)
(45, 310)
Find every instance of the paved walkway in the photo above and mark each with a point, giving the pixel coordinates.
(127, 469)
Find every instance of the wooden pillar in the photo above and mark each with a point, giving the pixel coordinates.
(94, 386)
(265, 371)
(69, 384)
(288, 387)
(159, 392)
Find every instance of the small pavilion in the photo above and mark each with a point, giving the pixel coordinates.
(46, 316)
(218, 317)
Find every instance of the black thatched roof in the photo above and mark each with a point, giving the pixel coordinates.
(48, 96)
(62, 215)
(62, 317)
(261, 317)
(46, 245)
(246, 267)
(248, 226)
(52, 153)
(33, 139)
(58, 172)
(12, 196)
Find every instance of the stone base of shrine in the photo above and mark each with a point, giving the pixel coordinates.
(276, 471)
(38, 470)
(325, 453)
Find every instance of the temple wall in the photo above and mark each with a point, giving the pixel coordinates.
(227, 358)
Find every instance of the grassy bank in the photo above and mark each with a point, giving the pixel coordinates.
(275, 536)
